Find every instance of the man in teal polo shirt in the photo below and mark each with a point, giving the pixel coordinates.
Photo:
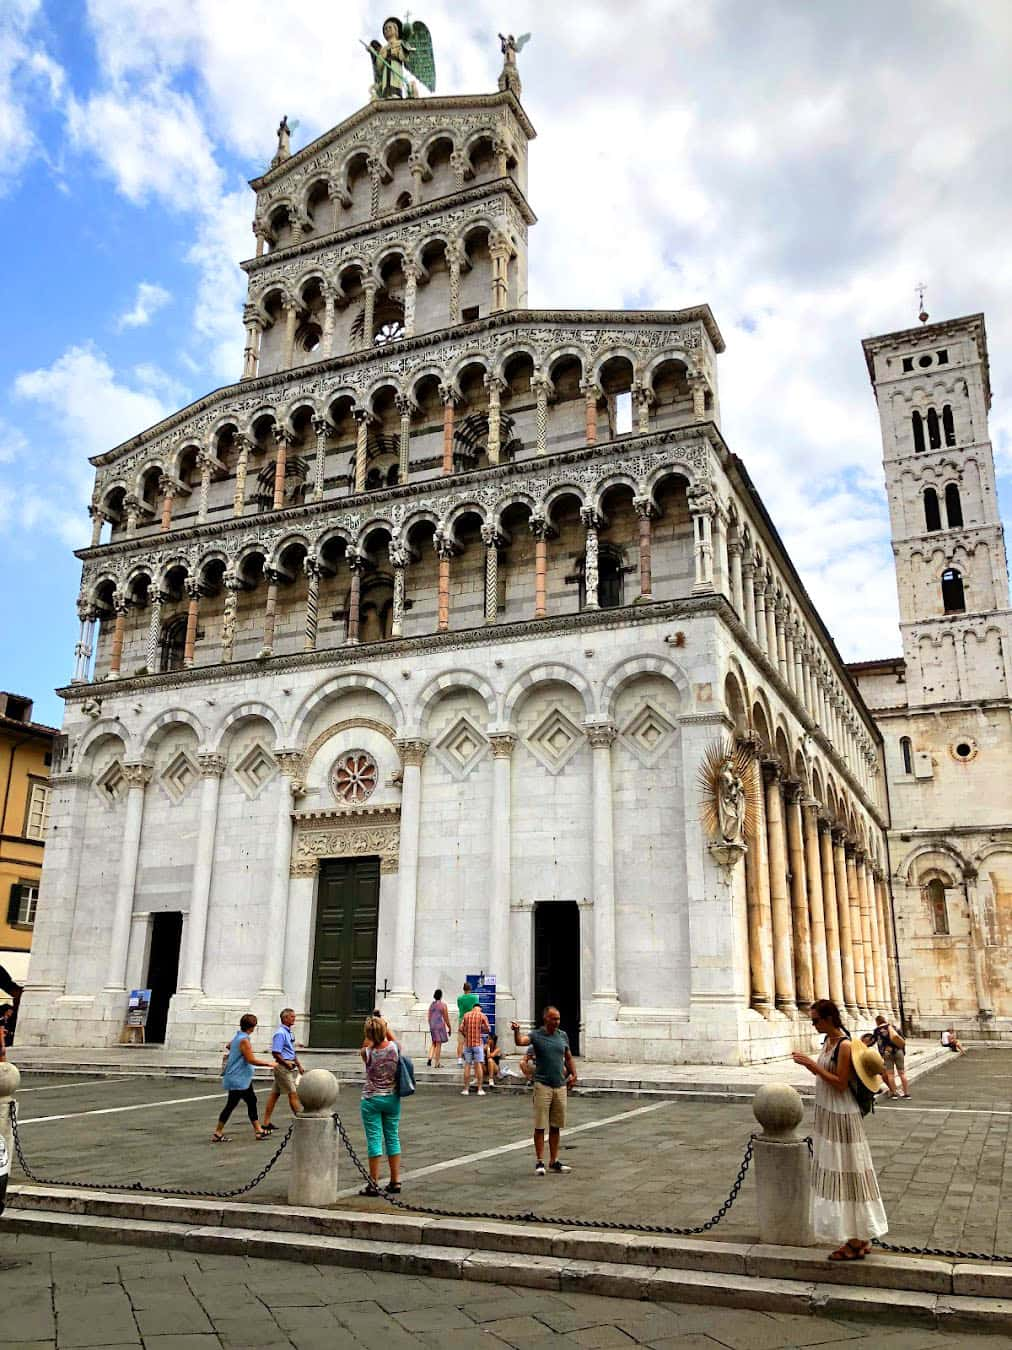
(554, 1074)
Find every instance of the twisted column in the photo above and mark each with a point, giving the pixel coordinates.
(191, 968)
(540, 386)
(322, 429)
(454, 258)
(591, 524)
(449, 397)
(282, 440)
(137, 777)
(363, 420)
(783, 964)
(834, 939)
(494, 385)
(591, 394)
(799, 898)
(412, 752)
(410, 295)
(206, 462)
(493, 541)
(404, 407)
(156, 599)
(233, 585)
(312, 569)
(375, 177)
(356, 563)
(120, 605)
(645, 511)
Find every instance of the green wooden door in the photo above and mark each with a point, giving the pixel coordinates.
(344, 957)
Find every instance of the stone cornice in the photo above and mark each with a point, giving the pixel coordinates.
(372, 814)
(363, 229)
(697, 434)
(279, 381)
(394, 109)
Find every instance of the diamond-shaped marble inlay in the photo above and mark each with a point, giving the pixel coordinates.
(256, 767)
(555, 740)
(648, 734)
(461, 747)
(111, 783)
(179, 776)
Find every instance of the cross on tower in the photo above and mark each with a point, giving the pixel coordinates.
(920, 288)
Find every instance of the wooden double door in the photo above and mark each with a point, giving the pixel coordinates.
(344, 954)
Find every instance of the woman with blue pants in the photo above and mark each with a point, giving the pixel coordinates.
(381, 1106)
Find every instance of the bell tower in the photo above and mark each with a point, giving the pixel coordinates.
(932, 384)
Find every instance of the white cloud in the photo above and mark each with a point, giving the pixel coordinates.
(29, 80)
(150, 298)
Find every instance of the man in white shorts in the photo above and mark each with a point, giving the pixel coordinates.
(286, 1069)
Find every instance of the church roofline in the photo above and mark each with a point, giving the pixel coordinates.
(931, 332)
(394, 107)
(881, 663)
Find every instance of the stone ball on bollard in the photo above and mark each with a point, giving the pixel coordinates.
(317, 1091)
(779, 1110)
(10, 1079)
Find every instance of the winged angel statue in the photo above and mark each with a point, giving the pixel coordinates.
(406, 47)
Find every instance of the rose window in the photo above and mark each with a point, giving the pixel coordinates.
(390, 332)
(354, 777)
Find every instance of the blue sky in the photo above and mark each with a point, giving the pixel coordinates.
(800, 167)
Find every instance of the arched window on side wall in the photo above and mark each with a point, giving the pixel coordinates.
(934, 893)
(932, 515)
(953, 598)
(907, 754)
(609, 579)
(918, 426)
(948, 425)
(934, 430)
(953, 506)
(173, 644)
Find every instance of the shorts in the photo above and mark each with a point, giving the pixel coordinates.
(894, 1058)
(951, 1047)
(549, 1107)
(474, 1054)
(285, 1080)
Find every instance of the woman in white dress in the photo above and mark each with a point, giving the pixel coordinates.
(846, 1201)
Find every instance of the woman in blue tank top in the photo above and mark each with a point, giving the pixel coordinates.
(237, 1080)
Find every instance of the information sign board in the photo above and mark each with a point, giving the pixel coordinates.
(137, 1007)
(484, 987)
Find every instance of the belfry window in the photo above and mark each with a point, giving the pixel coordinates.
(948, 425)
(953, 507)
(953, 597)
(932, 514)
(907, 755)
(173, 644)
(934, 430)
(610, 575)
(934, 893)
(917, 423)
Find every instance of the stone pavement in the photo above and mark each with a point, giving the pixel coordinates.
(944, 1157)
(60, 1295)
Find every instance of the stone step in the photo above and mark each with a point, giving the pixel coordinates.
(954, 1312)
(621, 1264)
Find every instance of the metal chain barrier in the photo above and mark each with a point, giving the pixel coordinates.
(528, 1216)
(138, 1186)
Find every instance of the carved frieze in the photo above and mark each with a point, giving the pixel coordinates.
(370, 831)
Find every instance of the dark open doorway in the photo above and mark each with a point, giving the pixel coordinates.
(163, 972)
(557, 964)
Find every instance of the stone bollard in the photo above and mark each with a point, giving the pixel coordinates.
(783, 1168)
(10, 1079)
(313, 1178)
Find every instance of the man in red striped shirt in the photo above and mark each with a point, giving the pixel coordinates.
(474, 1028)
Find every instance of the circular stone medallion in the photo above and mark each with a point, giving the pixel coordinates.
(354, 777)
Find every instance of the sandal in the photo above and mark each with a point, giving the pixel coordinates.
(848, 1252)
(393, 1188)
(269, 1129)
(371, 1190)
(220, 1138)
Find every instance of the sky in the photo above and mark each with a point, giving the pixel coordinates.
(800, 167)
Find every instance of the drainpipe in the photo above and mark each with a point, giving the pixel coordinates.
(7, 790)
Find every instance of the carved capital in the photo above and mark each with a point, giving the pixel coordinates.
(304, 867)
(210, 765)
(590, 517)
(839, 835)
(602, 735)
(363, 416)
(644, 508)
(491, 537)
(412, 751)
(322, 427)
(792, 791)
(137, 775)
(772, 771)
(398, 553)
(292, 764)
(449, 395)
(193, 588)
(494, 382)
(502, 743)
(312, 567)
(406, 405)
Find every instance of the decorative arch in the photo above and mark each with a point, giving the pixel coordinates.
(105, 726)
(547, 672)
(910, 869)
(252, 708)
(455, 679)
(633, 666)
(335, 686)
(156, 728)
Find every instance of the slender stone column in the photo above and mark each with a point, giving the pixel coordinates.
(167, 487)
(156, 599)
(644, 400)
(867, 945)
(82, 652)
(856, 933)
(206, 462)
(541, 389)
(412, 752)
(404, 406)
(363, 418)
(398, 554)
(132, 510)
(449, 397)
(645, 511)
(799, 898)
(241, 465)
(120, 605)
(844, 922)
(748, 594)
(322, 428)
(772, 648)
(591, 523)
(312, 569)
(249, 351)
(502, 744)
(834, 942)
(369, 289)
(881, 996)
(417, 168)
(454, 258)
(137, 777)
(779, 620)
(757, 898)
(697, 383)
(410, 268)
(290, 309)
(191, 973)
(194, 590)
(890, 942)
(288, 785)
(445, 549)
(233, 585)
(493, 541)
(602, 736)
(375, 178)
(783, 963)
(816, 901)
(495, 386)
(98, 519)
(282, 440)
(540, 529)
(591, 394)
(759, 587)
(355, 565)
(799, 660)
(702, 508)
(500, 252)
(273, 577)
(329, 318)
(735, 573)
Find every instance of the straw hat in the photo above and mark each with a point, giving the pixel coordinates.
(867, 1064)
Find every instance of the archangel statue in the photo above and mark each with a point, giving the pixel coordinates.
(406, 47)
(509, 77)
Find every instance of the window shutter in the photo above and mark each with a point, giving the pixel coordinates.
(14, 903)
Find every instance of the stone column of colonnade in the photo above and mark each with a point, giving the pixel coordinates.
(137, 778)
(757, 898)
(288, 786)
(843, 914)
(856, 934)
(191, 966)
(502, 744)
(602, 736)
(780, 901)
(412, 752)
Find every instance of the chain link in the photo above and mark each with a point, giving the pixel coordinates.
(138, 1186)
(528, 1216)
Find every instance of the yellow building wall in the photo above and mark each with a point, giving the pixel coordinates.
(22, 762)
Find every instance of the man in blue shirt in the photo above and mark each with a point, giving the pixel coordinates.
(286, 1069)
(554, 1075)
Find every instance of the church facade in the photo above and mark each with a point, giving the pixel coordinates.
(401, 657)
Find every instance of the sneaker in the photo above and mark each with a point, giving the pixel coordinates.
(480, 1092)
(559, 1167)
(428, 1063)
(539, 1171)
(466, 1092)
(460, 1062)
